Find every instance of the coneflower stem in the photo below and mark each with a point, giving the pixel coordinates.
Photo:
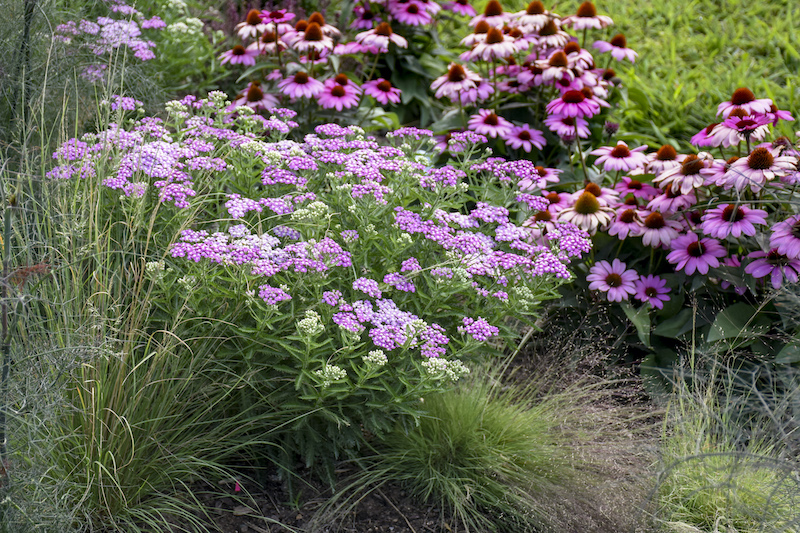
(374, 66)
(580, 156)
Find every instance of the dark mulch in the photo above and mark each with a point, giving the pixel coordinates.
(267, 508)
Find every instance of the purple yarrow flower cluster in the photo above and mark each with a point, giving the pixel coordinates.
(399, 282)
(106, 34)
(479, 329)
(367, 286)
(125, 103)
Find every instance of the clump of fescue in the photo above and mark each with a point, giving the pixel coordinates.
(728, 453)
(498, 457)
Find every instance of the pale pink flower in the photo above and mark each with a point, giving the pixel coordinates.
(300, 85)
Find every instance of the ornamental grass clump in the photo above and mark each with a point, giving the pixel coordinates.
(341, 273)
(728, 450)
(493, 454)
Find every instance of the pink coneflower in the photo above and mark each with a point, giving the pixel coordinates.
(744, 99)
(382, 91)
(587, 213)
(755, 170)
(488, 123)
(739, 127)
(354, 48)
(558, 201)
(380, 37)
(557, 66)
(410, 13)
(773, 264)
(618, 46)
(573, 104)
(552, 36)
(715, 173)
(653, 290)
(511, 86)
(268, 43)
(239, 55)
(530, 75)
(252, 25)
(430, 6)
(525, 137)
(732, 219)
(686, 177)
(255, 98)
(671, 201)
(620, 157)
(604, 195)
(301, 84)
(539, 225)
(493, 15)
(277, 16)
(494, 46)
(315, 57)
(456, 80)
(776, 114)
(543, 177)
(540, 179)
(312, 39)
(461, 7)
(628, 222)
(614, 279)
(328, 29)
(563, 126)
(477, 35)
(579, 58)
(785, 237)
(659, 231)
(534, 17)
(695, 255)
(364, 18)
(587, 17)
(638, 189)
(664, 159)
(338, 96)
(703, 138)
(480, 93)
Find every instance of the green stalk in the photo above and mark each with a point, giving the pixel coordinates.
(6, 334)
(580, 156)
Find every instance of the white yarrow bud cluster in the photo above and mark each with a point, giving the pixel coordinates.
(219, 99)
(311, 325)
(331, 373)
(439, 368)
(175, 107)
(155, 269)
(315, 211)
(189, 283)
(376, 357)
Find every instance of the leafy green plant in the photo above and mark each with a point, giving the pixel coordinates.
(338, 272)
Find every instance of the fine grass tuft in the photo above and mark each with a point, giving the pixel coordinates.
(494, 456)
(726, 465)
